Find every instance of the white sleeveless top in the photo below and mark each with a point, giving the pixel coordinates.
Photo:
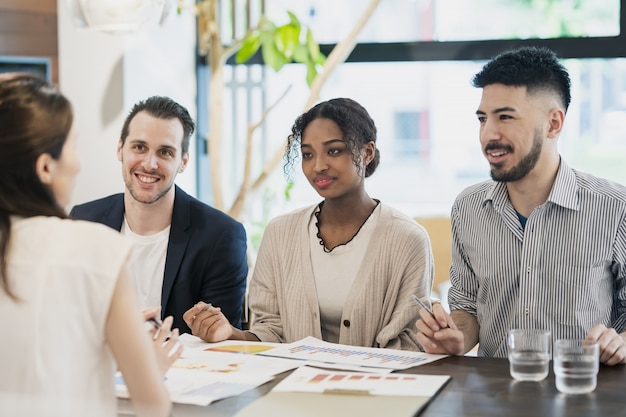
(54, 358)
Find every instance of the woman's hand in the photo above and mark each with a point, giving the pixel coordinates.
(164, 339)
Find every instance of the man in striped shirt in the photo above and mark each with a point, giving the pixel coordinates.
(542, 245)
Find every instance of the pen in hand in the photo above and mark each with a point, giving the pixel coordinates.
(157, 326)
(156, 323)
(205, 308)
(427, 308)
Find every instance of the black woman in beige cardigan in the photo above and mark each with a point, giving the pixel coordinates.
(342, 270)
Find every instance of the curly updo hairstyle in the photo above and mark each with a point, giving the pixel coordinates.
(353, 120)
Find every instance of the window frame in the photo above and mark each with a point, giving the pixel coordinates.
(479, 50)
(416, 51)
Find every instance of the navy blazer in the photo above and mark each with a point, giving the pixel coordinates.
(206, 255)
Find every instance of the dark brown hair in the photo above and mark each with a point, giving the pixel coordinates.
(35, 119)
(162, 108)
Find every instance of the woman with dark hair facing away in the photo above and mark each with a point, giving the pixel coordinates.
(342, 270)
(68, 307)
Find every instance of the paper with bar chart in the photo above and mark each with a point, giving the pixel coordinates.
(312, 392)
(313, 349)
(308, 379)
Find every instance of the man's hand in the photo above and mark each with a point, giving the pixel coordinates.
(612, 344)
(208, 322)
(439, 334)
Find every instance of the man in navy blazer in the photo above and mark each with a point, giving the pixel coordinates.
(185, 251)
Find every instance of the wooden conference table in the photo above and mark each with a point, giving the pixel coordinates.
(479, 387)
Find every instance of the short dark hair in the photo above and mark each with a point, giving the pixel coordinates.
(353, 120)
(35, 119)
(536, 68)
(162, 108)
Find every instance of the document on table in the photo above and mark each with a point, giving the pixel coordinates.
(309, 379)
(216, 360)
(258, 348)
(207, 372)
(197, 388)
(210, 372)
(191, 342)
(316, 392)
(313, 349)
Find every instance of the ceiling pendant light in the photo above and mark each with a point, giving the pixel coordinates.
(119, 16)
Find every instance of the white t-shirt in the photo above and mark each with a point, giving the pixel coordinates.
(147, 264)
(54, 359)
(335, 272)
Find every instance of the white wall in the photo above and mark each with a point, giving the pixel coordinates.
(104, 75)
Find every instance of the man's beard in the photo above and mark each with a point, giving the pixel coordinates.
(524, 166)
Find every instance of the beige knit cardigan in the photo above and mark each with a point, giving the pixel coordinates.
(379, 311)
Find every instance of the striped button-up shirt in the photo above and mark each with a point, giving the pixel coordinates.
(565, 271)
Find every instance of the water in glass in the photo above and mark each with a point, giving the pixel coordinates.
(529, 365)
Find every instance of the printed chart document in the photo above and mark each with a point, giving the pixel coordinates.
(191, 342)
(197, 388)
(313, 349)
(207, 372)
(316, 392)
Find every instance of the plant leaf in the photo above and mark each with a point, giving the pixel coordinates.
(266, 25)
(311, 73)
(251, 44)
(272, 56)
(314, 47)
(287, 39)
(293, 19)
(288, 190)
(301, 54)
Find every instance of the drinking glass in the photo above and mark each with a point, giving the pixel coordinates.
(529, 353)
(576, 364)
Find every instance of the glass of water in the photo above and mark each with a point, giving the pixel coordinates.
(529, 353)
(576, 364)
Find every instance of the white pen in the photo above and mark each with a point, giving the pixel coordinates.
(427, 308)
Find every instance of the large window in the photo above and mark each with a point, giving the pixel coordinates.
(456, 20)
(412, 72)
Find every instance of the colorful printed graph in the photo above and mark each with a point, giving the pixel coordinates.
(250, 349)
(309, 379)
(322, 378)
(316, 350)
(379, 358)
